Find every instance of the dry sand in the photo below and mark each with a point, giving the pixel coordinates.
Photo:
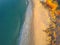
(40, 22)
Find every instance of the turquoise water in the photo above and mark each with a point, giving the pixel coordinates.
(12, 14)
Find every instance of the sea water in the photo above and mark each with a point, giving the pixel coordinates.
(12, 14)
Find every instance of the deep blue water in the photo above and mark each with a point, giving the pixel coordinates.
(12, 14)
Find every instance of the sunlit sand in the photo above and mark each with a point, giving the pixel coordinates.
(41, 22)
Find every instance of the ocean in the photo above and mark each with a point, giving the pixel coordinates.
(12, 15)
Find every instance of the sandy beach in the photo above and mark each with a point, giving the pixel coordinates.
(40, 23)
(37, 20)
